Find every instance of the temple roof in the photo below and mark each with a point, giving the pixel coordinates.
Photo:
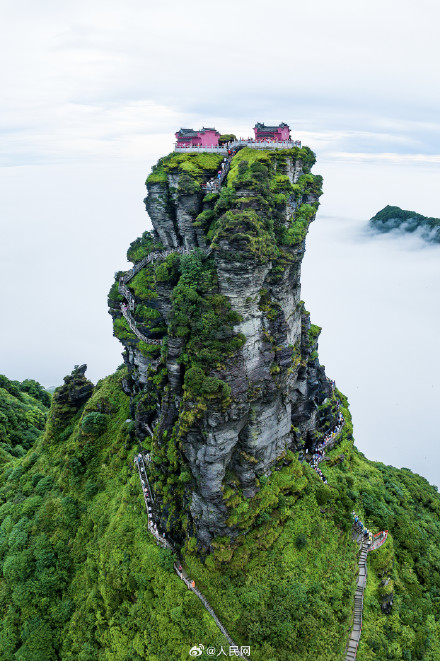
(262, 127)
(189, 133)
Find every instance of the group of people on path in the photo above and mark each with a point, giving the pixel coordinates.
(264, 141)
(361, 528)
(318, 453)
(213, 185)
(314, 465)
(332, 434)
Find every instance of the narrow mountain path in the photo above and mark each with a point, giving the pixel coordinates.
(153, 256)
(128, 307)
(355, 634)
(366, 546)
(142, 460)
(329, 441)
(367, 542)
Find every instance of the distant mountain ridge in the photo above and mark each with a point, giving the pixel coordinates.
(394, 218)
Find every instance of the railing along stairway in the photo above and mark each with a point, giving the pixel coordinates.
(166, 543)
(129, 307)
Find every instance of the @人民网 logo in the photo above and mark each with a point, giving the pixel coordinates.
(197, 650)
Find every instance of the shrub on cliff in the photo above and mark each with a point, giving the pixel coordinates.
(187, 185)
(197, 384)
(198, 166)
(122, 330)
(94, 423)
(142, 246)
(226, 137)
(297, 230)
(246, 232)
(205, 321)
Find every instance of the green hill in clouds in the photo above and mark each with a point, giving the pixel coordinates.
(391, 219)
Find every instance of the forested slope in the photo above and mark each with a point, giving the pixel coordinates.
(23, 412)
(82, 578)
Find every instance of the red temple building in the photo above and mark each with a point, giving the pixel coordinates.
(203, 138)
(280, 132)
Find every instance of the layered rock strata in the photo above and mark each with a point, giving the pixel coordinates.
(275, 390)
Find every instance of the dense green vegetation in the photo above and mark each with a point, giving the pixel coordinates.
(406, 569)
(196, 165)
(265, 174)
(204, 319)
(82, 579)
(226, 137)
(393, 218)
(141, 247)
(267, 157)
(23, 413)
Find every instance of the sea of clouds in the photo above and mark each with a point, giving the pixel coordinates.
(376, 297)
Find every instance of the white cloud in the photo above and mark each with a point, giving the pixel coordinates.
(80, 72)
(388, 157)
(378, 308)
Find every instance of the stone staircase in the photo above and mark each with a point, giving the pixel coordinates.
(366, 547)
(131, 322)
(355, 634)
(128, 308)
(142, 460)
(152, 257)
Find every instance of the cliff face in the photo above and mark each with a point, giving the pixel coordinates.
(237, 383)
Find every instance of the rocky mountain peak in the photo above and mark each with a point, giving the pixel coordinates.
(225, 380)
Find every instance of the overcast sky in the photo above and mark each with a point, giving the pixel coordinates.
(92, 93)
